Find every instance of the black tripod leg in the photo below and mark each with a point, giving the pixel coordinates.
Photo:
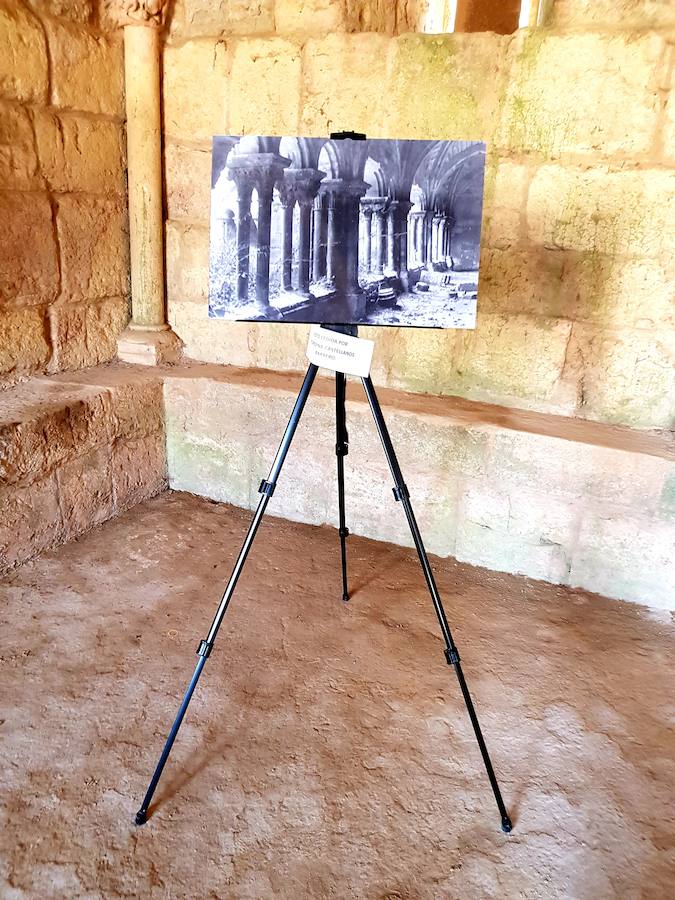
(341, 450)
(451, 652)
(203, 651)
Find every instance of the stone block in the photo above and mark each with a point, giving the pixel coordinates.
(24, 67)
(625, 14)
(610, 103)
(94, 242)
(265, 87)
(201, 65)
(87, 70)
(30, 268)
(187, 263)
(85, 334)
(18, 156)
(629, 558)
(138, 408)
(188, 182)
(310, 16)
(504, 204)
(628, 375)
(85, 491)
(138, 469)
(200, 18)
(30, 521)
(527, 281)
(667, 499)
(24, 346)
(80, 154)
(44, 424)
(515, 358)
(668, 135)
(74, 10)
(343, 76)
(603, 211)
(576, 472)
(496, 549)
(436, 87)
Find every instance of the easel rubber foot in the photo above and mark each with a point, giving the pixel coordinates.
(345, 598)
(141, 817)
(506, 824)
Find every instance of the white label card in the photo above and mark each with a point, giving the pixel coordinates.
(339, 352)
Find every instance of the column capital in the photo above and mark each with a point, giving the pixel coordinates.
(303, 184)
(148, 13)
(256, 170)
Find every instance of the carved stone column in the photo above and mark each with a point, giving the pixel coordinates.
(350, 289)
(304, 185)
(148, 338)
(401, 208)
(317, 238)
(381, 232)
(436, 253)
(244, 192)
(367, 212)
(333, 192)
(391, 233)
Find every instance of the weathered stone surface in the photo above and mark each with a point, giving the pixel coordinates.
(138, 408)
(520, 281)
(30, 521)
(138, 469)
(504, 203)
(310, 16)
(88, 71)
(449, 100)
(29, 273)
(45, 423)
(85, 334)
(342, 81)
(187, 253)
(188, 182)
(200, 18)
(93, 240)
(80, 154)
(624, 13)
(23, 55)
(610, 103)
(205, 63)
(633, 558)
(613, 212)
(497, 549)
(75, 10)
(628, 376)
(265, 87)
(24, 347)
(18, 156)
(576, 472)
(85, 491)
(668, 136)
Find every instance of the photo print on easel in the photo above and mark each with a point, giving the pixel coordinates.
(365, 232)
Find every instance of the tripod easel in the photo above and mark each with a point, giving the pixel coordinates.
(266, 490)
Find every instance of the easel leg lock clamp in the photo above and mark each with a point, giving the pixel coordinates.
(204, 649)
(400, 492)
(343, 532)
(266, 487)
(341, 449)
(452, 655)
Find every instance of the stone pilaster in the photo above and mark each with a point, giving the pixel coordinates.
(148, 338)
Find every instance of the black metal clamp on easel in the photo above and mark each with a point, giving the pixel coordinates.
(401, 495)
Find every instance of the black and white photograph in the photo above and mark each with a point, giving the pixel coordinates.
(371, 232)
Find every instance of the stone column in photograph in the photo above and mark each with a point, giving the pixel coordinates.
(391, 237)
(416, 219)
(148, 338)
(353, 296)
(287, 200)
(401, 210)
(333, 191)
(367, 212)
(259, 172)
(428, 238)
(317, 238)
(436, 239)
(244, 185)
(304, 185)
(379, 208)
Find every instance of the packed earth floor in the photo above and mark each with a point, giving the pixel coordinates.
(327, 752)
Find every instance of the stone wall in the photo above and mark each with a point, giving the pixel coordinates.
(576, 311)
(570, 502)
(63, 254)
(76, 450)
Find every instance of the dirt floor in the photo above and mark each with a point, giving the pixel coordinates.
(327, 752)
